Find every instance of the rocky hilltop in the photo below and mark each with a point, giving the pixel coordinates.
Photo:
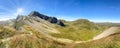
(47, 18)
(37, 21)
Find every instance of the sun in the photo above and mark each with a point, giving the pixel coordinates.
(19, 11)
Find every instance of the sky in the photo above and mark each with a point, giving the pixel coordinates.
(93, 10)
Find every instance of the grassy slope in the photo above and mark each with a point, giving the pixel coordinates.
(75, 30)
(81, 29)
(26, 40)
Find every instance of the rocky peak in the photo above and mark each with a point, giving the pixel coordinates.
(47, 18)
(20, 17)
(34, 13)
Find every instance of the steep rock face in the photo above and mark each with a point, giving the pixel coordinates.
(47, 18)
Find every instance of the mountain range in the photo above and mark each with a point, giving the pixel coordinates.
(37, 30)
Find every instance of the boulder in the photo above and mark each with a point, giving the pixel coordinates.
(60, 23)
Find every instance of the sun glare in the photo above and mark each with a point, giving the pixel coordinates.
(19, 11)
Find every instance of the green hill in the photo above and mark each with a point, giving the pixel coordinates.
(81, 29)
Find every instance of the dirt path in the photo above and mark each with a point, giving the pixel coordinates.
(107, 32)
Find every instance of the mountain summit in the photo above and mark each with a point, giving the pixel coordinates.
(47, 18)
(36, 19)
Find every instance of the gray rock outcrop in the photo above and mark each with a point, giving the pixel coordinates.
(47, 18)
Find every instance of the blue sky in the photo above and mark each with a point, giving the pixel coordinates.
(94, 10)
